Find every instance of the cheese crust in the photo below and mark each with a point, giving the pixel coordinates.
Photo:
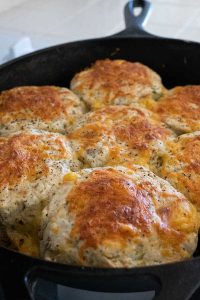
(48, 108)
(180, 109)
(181, 166)
(118, 135)
(116, 82)
(33, 164)
(118, 217)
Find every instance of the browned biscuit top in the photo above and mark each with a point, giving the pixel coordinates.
(110, 82)
(22, 154)
(180, 109)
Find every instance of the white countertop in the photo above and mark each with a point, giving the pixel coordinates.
(50, 22)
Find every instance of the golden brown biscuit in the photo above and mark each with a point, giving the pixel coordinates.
(116, 82)
(180, 109)
(181, 166)
(119, 134)
(46, 107)
(118, 217)
(32, 165)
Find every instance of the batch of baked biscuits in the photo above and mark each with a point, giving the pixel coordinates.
(106, 173)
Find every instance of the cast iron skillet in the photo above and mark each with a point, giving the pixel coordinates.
(178, 63)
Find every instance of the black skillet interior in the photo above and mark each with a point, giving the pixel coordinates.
(178, 64)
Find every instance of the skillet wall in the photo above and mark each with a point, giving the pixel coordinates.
(176, 61)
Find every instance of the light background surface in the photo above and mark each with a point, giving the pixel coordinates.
(50, 22)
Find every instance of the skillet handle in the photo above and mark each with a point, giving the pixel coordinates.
(19, 273)
(174, 281)
(134, 23)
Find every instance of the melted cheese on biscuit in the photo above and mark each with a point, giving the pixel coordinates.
(118, 217)
(119, 134)
(181, 166)
(47, 107)
(110, 82)
(32, 164)
(180, 109)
